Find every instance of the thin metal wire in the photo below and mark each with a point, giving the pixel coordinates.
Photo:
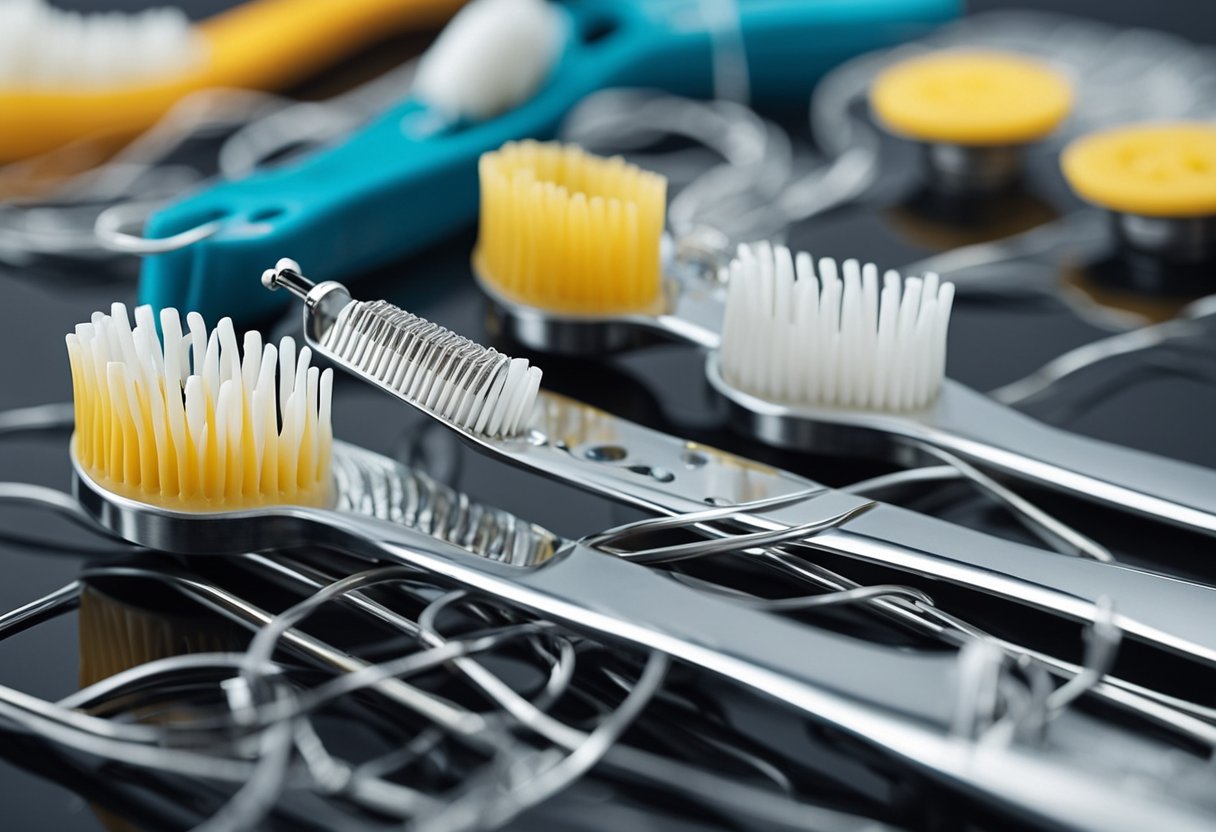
(268, 714)
(739, 543)
(840, 597)
(110, 230)
(1057, 534)
(1195, 320)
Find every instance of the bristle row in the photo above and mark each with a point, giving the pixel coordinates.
(569, 231)
(45, 47)
(836, 337)
(192, 424)
(476, 388)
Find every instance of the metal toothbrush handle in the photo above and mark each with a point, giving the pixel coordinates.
(1172, 614)
(995, 437)
(840, 681)
(623, 602)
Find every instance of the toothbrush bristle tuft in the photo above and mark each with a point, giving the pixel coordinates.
(191, 424)
(836, 337)
(476, 388)
(492, 56)
(568, 231)
(42, 47)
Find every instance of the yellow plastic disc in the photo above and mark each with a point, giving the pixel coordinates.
(971, 98)
(1155, 170)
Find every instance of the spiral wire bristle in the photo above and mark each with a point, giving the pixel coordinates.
(476, 388)
(568, 231)
(833, 338)
(191, 424)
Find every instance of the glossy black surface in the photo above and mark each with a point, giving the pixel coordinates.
(663, 387)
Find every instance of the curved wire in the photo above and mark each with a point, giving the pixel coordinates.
(838, 597)
(110, 230)
(735, 543)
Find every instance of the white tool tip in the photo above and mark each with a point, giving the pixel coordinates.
(494, 55)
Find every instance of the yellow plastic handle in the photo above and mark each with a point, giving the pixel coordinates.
(263, 44)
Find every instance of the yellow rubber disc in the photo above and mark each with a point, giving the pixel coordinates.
(1156, 170)
(971, 98)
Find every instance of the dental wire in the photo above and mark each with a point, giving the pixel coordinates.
(255, 797)
(578, 762)
(1060, 536)
(745, 542)
(1103, 637)
(490, 684)
(805, 602)
(41, 496)
(1188, 718)
(667, 772)
(67, 504)
(1145, 701)
(429, 619)
(1194, 319)
(1058, 667)
(746, 806)
(137, 173)
(461, 722)
(140, 174)
(57, 416)
(1049, 529)
(277, 721)
(616, 535)
(561, 673)
(765, 768)
(263, 643)
(49, 606)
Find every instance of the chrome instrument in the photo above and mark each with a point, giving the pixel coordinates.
(650, 470)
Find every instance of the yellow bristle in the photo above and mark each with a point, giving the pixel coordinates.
(568, 231)
(187, 424)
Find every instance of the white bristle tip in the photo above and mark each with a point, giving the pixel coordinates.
(839, 346)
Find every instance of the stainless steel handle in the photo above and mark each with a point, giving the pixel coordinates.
(898, 700)
(995, 437)
(819, 672)
(1174, 614)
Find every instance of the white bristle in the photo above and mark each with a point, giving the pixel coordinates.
(42, 47)
(476, 388)
(835, 339)
(189, 424)
(492, 57)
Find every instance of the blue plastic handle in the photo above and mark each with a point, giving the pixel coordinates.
(397, 185)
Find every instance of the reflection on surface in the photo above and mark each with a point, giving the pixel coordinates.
(936, 222)
(1149, 287)
(128, 628)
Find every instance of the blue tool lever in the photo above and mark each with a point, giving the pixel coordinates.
(410, 178)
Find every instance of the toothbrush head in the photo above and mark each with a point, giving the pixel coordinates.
(833, 337)
(45, 48)
(191, 425)
(493, 56)
(476, 390)
(570, 232)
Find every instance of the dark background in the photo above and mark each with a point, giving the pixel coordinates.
(988, 347)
